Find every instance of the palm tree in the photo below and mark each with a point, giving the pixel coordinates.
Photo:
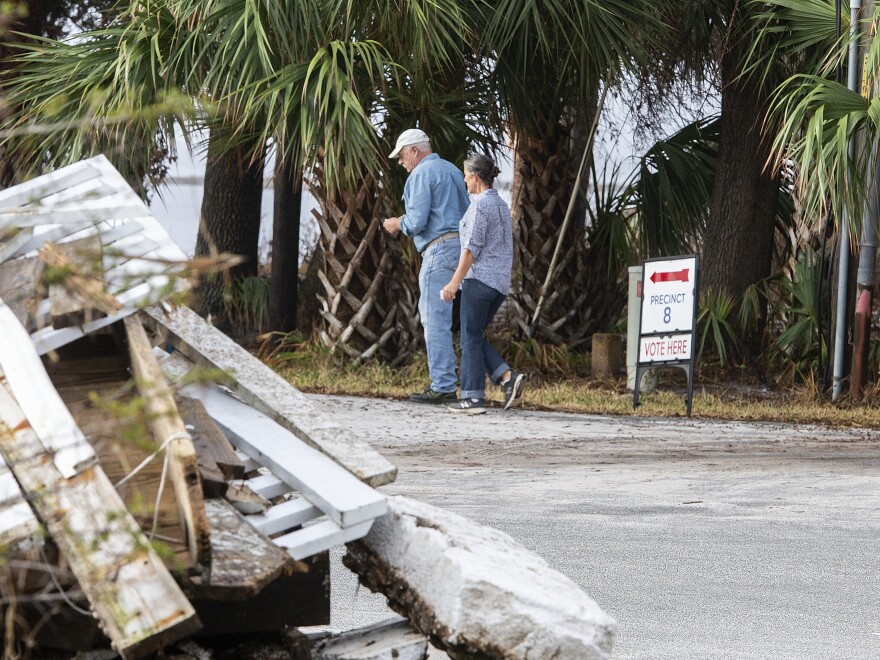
(367, 81)
(312, 77)
(720, 44)
(103, 92)
(120, 91)
(551, 59)
(830, 134)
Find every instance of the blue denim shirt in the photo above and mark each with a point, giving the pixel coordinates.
(435, 198)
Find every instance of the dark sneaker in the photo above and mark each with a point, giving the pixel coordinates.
(430, 396)
(469, 406)
(513, 389)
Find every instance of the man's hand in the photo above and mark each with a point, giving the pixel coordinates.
(391, 225)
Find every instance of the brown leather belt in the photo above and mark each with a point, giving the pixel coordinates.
(440, 239)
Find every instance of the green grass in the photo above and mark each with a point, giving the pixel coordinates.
(314, 369)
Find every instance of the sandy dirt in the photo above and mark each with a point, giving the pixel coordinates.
(704, 539)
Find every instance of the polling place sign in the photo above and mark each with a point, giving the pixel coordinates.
(668, 319)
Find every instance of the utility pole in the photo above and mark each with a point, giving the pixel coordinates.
(843, 258)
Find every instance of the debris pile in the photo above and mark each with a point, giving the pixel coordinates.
(121, 497)
(141, 503)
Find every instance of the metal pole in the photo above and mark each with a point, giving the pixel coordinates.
(588, 148)
(843, 258)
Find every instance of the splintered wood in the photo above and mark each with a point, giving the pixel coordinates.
(139, 605)
(270, 394)
(170, 433)
(80, 294)
(217, 460)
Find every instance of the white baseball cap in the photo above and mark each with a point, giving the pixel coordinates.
(408, 137)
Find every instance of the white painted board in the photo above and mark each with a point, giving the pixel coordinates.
(38, 399)
(342, 496)
(267, 485)
(322, 536)
(284, 516)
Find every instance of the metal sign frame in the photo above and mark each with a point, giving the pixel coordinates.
(682, 323)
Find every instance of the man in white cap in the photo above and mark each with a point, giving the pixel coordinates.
(435, 198)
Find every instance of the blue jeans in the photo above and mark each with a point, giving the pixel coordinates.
(438, 265)
(479, 302)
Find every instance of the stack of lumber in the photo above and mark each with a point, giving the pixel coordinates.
(242, 511)
(135, 512)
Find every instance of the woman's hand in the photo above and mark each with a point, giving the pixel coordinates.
(447, 293)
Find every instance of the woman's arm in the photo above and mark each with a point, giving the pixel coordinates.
(447, 293)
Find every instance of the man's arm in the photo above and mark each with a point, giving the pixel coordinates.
(418, 205)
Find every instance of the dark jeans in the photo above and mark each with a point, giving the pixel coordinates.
(479, 302)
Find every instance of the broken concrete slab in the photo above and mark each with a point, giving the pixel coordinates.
(474, 590)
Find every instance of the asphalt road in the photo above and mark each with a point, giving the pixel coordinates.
(703, 539)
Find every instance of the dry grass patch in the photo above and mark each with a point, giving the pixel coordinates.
(311, 368)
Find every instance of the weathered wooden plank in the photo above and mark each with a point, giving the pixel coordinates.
(300, 599)
(123, 443)
(392, 638)
(269, 393)
(323, 482)
(30, 384)
(319, 537)
(140, 607)
(109, 232)
(19, 282)
(120, 205)
(81, 294)
(17, 520)
(243, 561)
(49, 339)
(37, 240)
(213, 480)
(168, 430)
(212, 446)
(92, 189)
(9, 246)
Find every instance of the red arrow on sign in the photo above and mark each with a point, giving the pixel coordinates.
(670, 276)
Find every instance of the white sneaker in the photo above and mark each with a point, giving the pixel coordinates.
(469, 406)
(513, 389)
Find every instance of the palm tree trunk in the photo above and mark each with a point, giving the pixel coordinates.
(366, 305)
(584, 299)
(738, 241)
(284, 284)
(230, 216)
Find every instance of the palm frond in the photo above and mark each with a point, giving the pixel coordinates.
(673, 188)
(336, 127)
(106, 91)
(818, 119)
